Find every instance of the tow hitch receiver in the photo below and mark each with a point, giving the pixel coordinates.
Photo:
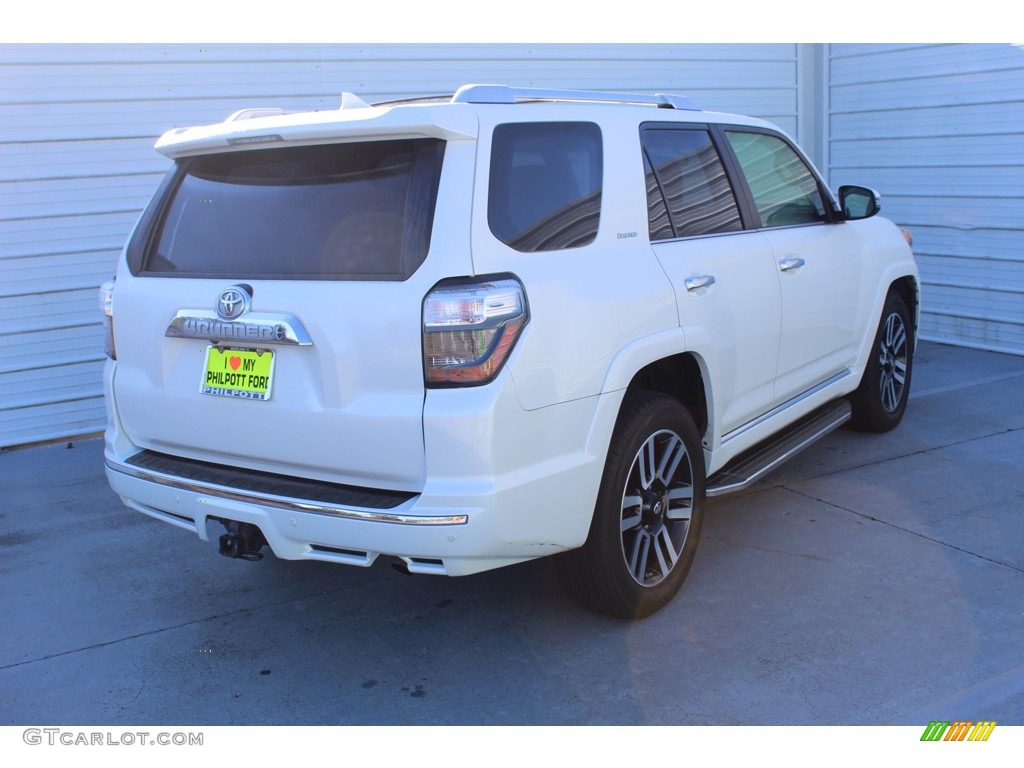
(243, 540)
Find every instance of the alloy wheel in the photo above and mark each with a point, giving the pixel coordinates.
(893, 362)
(657, 504)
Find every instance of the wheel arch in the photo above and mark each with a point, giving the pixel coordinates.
(657, 363)
(880, 399)
(680, 376)
(909, 290)
(907, 286)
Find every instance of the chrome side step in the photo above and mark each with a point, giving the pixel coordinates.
(749, 467)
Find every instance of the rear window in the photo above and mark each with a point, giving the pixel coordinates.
(357, 211)
(688, 192)
(545, 185)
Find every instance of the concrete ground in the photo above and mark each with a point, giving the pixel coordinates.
(875, 579)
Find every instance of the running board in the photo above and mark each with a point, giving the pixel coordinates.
(749, 467)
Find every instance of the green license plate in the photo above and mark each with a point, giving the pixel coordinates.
(244, 373)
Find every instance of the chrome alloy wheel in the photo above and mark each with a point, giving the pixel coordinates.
(892, 359)
(657, 503)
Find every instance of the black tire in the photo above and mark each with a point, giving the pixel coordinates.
(648, 516)
(880, 400)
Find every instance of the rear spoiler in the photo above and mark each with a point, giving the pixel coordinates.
(352, 121)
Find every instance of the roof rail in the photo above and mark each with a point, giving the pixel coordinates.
(441, 98)
(252, 112)
(348, 101)
(504, 94)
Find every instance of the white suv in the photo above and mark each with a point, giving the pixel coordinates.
(474, 331)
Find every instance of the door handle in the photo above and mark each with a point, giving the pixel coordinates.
(788, 265)
(698, 282)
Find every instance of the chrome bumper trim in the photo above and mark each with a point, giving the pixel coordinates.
(280, 502)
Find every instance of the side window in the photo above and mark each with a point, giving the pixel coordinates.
(784, 189)
(658, 223)
(545, 185)
(688, 192)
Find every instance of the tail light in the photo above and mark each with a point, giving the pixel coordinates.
(107, 308)
(469, 330)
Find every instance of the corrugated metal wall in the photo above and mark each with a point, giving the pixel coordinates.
(78, 122)
(939, 130)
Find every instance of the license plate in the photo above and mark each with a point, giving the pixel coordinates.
(244, 373)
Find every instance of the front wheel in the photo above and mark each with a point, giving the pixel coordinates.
(880, 400)
(647, 519)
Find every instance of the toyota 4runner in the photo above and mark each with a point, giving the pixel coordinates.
(472, 331)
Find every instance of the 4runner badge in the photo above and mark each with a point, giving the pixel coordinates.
(224, 326)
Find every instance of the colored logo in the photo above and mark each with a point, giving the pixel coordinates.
(960, 730)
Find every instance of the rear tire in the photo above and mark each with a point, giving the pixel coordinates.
(648, 515)
(880, 400)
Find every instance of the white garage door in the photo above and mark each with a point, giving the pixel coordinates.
(939, 130)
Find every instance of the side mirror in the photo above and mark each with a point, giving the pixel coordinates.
(859, 202)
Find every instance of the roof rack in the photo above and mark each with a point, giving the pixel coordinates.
(504, 94)
(493, 94)
(348, 101)
(436, 99)
(254, 112)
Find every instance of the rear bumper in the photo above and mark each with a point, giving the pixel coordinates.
(298, 528)
(503, 485)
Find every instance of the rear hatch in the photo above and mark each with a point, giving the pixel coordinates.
(269, 313)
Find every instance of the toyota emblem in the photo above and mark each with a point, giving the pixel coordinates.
(233, 302)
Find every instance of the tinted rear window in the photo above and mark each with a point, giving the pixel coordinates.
(688, 191)
(359, 211)
(545, 185)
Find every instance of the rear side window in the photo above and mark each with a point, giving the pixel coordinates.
(358, 211)
(688, 192)
(545, 185)
(785, 190)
